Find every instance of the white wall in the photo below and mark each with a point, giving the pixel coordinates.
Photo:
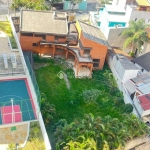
(129, 74)
(144, 71)
(121, 87)
(44, 133)
(137, 105)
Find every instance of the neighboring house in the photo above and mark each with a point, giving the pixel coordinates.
(114, 19)
(124, 68)
(55, 39)
(144, 5)
(143, 62)
(142, 103)
(19, 100)
(112, 16)
(80, 6)
(120, 66)
(132, 84)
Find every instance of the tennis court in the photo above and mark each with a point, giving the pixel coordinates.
(16, 103)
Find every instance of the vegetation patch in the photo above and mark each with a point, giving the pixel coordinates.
(96, 98)
(5, 27)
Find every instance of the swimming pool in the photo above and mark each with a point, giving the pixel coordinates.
(15, 96)
(119, 24)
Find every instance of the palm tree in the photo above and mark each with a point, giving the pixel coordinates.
(135, 35)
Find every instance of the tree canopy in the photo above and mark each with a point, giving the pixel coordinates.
(27, 4)
(98, 133)
(135, 35)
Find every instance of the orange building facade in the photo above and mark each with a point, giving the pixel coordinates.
(85, 49)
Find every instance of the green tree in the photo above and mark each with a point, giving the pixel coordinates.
(108, 133)
(34, 4)
(127, 108)
(132, 123)
(48, 110)
(135, 35)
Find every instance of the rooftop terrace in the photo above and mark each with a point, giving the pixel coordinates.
(10, 60)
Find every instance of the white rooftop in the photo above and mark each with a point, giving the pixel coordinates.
(115, 8)
(145, 89)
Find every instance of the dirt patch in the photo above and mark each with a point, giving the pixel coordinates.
(39, 65)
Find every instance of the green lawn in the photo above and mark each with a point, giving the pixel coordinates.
(69, 104)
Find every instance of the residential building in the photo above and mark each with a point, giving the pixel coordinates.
(141, 80)
(114, 19)
(124, 68)
(143, 5)
(142, 104)
(142, 101)
(143, 62)
(19, 99)
(112, 16)
(57, 38)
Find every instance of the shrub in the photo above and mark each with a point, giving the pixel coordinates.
(127, 108)
(90, 96)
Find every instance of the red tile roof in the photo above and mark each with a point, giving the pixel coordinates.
(145, 101)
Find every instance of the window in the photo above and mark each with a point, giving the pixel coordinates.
(35, 44)
(40, 35)
(96, 63)
(27, 34)
(59, 50)
(86, 52)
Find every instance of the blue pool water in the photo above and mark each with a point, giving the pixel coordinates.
(16, 90)
(113, 24)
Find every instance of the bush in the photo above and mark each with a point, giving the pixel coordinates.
(90, 96)
(127, 108)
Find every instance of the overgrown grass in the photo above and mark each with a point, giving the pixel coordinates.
(69, 104)
(5, 27)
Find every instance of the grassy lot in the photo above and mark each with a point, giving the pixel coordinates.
(69, 104)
